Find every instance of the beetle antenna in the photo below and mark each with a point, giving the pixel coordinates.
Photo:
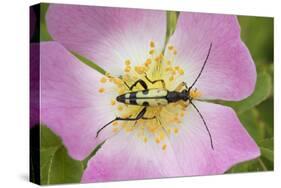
(205, 124)
(202, 68)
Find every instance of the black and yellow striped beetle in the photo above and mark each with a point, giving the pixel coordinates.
(158, 97)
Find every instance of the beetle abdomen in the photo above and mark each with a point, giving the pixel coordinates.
(150, 97)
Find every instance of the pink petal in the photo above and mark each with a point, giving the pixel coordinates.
(189, 153)
(230, 73)
(107, 36)
(70, 102)
(126, 157)
(232, 144)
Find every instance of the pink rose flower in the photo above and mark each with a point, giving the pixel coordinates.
(77, 101)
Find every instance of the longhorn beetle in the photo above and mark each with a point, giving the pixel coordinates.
(158, 97)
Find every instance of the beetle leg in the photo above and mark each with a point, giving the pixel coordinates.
(139, 116)
(179, 87)
(148, 118)
(182, 104)
(155, 81)
(141, 82)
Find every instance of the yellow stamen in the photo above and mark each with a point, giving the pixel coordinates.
(195, 93)
(181, 71)
(157, 140)
(176, 130)
(120, 107)
(113, 102)
(151, 52)
(182, 114)
(170, 47)
(164, 146)
(102, 90)
(147, 62)
(140, 69)
(115, 123)
(127, 62)
(152, 44)
(127, 69)
(103, 80)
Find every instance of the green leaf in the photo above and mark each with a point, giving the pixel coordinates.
(56, 166)
(266, 147)
(172, 18)
(262, 92)
(263, 163)
(85, 161)
(257, 33)
(267, 143)
(267, 153)
(266, 112)
(44, 34)
(89, 63)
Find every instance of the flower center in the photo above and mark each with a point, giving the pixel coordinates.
(168, 118)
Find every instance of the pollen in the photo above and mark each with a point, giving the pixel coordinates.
(152, 44)
(127, 68)
(151, 52)
(159, 58)
(181, 71)
(102, 90)
(115, 123)
(170, 47)
(176, 119)
(140, 69)
(164, 146)
(113, 102)
(162, 135)
(103, 80)
(182, 114)
(168, 131)
(157, 140)
(127, 62)
(176, 130)
(195, 93)
(147, 62)
(120, 107)
(169, 117)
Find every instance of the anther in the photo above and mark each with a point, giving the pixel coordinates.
(127, 62)
(120, 107)
(103, 80)
(170, 47)
(152, 44)
(113, 102)
(164, 146)
(102, 90)
(151, 52)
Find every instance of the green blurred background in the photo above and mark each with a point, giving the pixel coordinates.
(255, 112)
